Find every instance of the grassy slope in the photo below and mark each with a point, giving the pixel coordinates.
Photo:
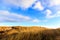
(29, 33)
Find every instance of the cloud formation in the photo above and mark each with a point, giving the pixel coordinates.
(12, 17)
(38, 6)
(6, 16)
(54, 2)
(24, 4)
(49, 14)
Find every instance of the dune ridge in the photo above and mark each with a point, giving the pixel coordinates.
(29, 33)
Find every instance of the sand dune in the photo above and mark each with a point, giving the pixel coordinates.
(29, 33)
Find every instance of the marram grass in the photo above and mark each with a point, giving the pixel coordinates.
(29, 33)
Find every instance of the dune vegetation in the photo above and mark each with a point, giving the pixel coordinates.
(29, 33)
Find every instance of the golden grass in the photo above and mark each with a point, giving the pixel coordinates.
(29, 33)
(5, 28)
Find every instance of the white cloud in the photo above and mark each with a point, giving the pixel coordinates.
(38, 6)
(24, 4)
(58, 13)
(50, 3)
(6, 16)
(55, 2)
(49, 14)
(12, 17)
(36, 20)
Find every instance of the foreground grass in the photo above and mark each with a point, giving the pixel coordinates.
(29, 33)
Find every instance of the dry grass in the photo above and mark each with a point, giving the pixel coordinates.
(5, 28)
(29, 33)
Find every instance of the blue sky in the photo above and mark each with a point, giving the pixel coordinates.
(30, 13)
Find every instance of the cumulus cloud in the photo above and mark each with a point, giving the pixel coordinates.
(24, 4)
(38, 6)
(12, 17)
(57, 14)
(49, 14)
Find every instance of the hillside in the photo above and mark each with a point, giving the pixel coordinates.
(29, 33)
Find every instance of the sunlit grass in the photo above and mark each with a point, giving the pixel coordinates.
(29, 33)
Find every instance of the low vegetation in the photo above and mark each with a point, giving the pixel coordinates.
(29, 33)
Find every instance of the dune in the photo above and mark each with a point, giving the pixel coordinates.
(29, 33)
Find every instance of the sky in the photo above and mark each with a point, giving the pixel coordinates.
(30, 13)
